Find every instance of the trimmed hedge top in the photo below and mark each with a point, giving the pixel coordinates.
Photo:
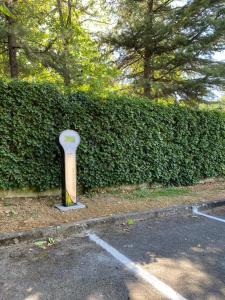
(123, 140)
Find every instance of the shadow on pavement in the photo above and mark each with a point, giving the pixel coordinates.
(186, 253)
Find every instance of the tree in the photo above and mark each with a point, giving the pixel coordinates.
(9, 36)
(52, 44)
(166, 50)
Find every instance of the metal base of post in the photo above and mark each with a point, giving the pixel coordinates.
(63, 208)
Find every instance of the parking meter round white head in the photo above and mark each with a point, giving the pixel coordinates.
(69, 140)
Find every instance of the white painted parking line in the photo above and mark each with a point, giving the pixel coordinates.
(137, 270)
(196, 212)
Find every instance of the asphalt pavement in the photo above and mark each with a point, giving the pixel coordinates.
(179, 257)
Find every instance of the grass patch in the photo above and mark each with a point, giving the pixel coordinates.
(159, 192)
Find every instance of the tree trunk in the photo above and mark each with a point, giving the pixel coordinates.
(65, 24)
(12, 47)
(66, 78)
(147, 74)
(147, 77)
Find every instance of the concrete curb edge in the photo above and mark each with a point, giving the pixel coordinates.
(8, 238)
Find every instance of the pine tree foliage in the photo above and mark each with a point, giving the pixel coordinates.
(167, 50)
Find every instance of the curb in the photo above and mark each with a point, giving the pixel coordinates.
(8, 238)
(211, 204)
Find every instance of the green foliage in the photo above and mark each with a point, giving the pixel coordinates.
(53, 45)
(155, 193)
(5, 11)
(123, 140)
(165, 47)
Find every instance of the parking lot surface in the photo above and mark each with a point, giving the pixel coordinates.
(217, 212)
(180, 256)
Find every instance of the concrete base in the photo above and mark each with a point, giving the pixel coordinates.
(63, 208)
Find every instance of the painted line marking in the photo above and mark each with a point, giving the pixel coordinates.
(196, 212)
(137, 270)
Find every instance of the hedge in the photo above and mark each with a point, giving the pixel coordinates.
(123, 140)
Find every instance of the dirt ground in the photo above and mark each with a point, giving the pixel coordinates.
(25, 214)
